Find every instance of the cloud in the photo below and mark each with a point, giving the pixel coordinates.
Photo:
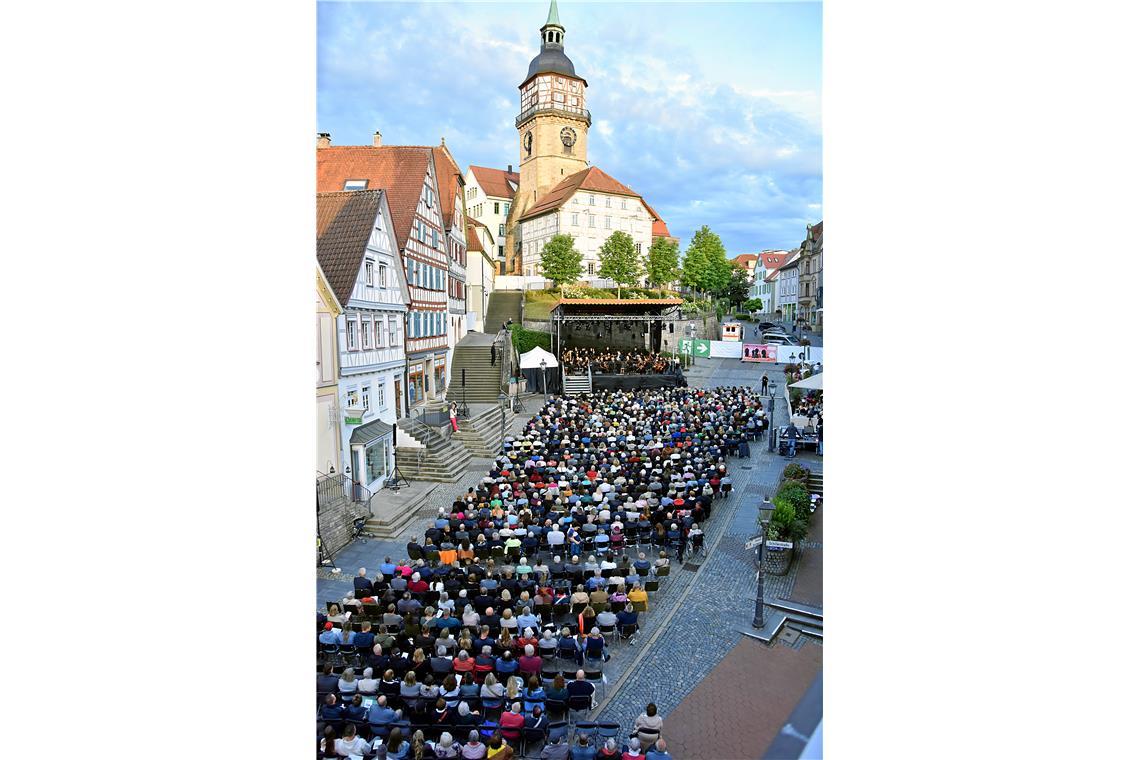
(728, 147)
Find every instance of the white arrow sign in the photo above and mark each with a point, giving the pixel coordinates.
(753, 542)
(702, 347)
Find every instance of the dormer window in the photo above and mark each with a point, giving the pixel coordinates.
(355, 184)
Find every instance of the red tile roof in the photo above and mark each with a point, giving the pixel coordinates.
(773, 259)
(450, 179)
(473, 243)
(399, 169)
(659, 229)
(592, 178)
(496, 182)
(344, 224)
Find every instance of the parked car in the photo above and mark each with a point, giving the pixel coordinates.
(778, 338)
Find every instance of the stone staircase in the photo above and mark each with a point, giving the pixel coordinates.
(442, 458)
(572, 385)
(815, 483)
(473, 354)
(501, 306)
(391, 514)
(804, 618)
(482, 434)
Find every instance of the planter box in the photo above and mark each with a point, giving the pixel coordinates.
(778, 561)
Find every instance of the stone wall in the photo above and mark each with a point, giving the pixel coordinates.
(335, 523)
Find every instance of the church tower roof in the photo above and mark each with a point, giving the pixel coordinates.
(551, 57)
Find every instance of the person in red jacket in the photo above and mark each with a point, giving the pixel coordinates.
(511, 723)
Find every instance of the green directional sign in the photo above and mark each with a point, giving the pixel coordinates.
(685, 346)
(702, 348)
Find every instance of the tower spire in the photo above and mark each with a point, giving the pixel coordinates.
(552, 17)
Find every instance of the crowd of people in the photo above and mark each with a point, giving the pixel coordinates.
(810, 406)
(499, 618)
(615, 361)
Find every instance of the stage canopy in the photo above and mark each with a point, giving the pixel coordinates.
(533, 359)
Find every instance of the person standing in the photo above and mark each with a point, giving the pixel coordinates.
(764, 385)
(451, 410)
(493, 354)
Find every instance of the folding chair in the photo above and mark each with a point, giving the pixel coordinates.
(579, 704)
(610, 630)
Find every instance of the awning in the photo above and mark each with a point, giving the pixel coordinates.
(813, 383)
(370, 433)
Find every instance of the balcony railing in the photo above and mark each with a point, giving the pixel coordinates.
(551, 108)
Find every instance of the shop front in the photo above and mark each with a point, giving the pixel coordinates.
(373, 454)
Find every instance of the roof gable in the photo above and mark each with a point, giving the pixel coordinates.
(593, 179)
(345, 221)
(449, 179)
(398, 169)
(496, 183)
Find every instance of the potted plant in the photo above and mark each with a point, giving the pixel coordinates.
(785, 526)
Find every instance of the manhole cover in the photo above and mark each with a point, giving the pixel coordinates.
(789, 635)
(692, 567)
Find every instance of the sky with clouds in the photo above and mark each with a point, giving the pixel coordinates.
(709, 110)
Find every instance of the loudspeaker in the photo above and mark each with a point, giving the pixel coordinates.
(463, 377)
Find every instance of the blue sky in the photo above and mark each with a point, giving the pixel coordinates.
(709, 110)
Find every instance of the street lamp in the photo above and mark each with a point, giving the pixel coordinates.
(542, 366)
(758, 615)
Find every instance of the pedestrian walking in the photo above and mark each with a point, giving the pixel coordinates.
(492, 354)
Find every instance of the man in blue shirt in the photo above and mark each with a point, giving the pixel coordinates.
(658, 752)
(329, 635)
(387, 567)
(380, 715)
(365, 637)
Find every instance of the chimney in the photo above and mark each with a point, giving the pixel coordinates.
(510, 169)
(324, 140)
(377, 139)
(442, 143)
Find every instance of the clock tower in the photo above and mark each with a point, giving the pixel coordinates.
(552, 121)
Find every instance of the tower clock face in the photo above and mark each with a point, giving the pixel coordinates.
(528, 142)
(569, 137)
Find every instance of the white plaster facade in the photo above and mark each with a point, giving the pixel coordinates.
(370, 337)
(590, 217)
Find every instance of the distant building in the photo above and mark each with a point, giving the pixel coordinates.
(788, 287)
(747, 262)
(763, 288)
(810, 302)
(558, 190)
(489, 194)
(589, 206)
(481, 271)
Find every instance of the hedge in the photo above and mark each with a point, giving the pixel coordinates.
(525, 340)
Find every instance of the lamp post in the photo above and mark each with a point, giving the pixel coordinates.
(758, 615)
(542, 366)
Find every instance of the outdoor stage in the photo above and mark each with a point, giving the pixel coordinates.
(629, 382)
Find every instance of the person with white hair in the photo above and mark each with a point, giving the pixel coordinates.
(361, 584)
(474, 749)
(445, 747)
(658, 751)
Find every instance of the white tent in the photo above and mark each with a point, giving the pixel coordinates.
(813, 383)
(532, 359)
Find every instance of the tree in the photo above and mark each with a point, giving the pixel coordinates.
(561, 261)
(662, 267)
(709, 270)
(737, 290)
(754, 304)
(620, 261)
